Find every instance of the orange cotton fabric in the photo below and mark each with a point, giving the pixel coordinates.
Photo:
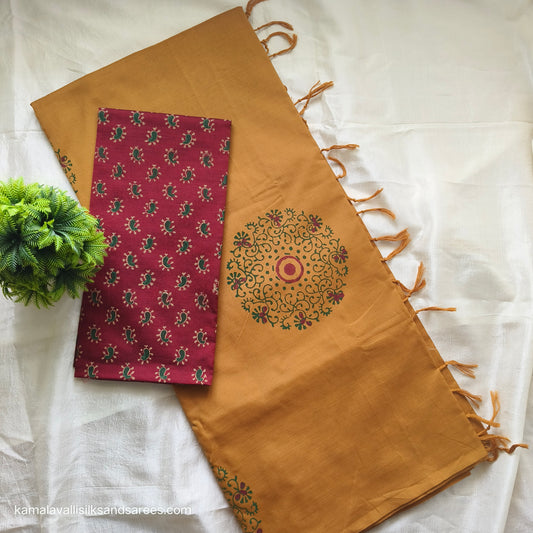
(328, 411)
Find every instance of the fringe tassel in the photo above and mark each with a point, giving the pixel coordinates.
(291, 39)
(388, 212)
(420, 282)
(494, 444)
(285, 25)
(315, 90)
(474, 398)
(403, 238)
(335, 160)
(371, 197)
(465, 369)
(250, 5)
(435, 309)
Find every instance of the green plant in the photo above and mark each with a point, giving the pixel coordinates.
(48, 243)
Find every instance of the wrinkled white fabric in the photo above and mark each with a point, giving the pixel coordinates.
(439, 96)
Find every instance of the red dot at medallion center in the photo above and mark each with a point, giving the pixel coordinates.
(289, 269)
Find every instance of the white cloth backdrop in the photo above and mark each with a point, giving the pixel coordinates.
(439, 95)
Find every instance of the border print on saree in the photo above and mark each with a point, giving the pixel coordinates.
(287, 268)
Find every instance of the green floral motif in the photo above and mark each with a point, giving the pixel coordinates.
(240, 498)
(66, 165)
(288, 269)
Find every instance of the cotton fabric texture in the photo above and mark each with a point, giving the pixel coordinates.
(159, 193)
(330, 407)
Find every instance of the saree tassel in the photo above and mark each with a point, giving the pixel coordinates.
(281, 23)
(250, 5)
(372, 196)
(335, 160)
(315, 90)
(465, 369)
(474, 398)
(387, 212)
(291, 39)
(434, 308)
(403, 238)
(420, 282)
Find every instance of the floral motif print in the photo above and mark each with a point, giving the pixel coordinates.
(288, 269)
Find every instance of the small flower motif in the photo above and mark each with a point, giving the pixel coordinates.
(224, 181)
(186, 210)
(275, 217)
(204, 193)
(132, 225)
(200, 338)
(129, 298)
(181, 355)
(91, 370)
(136, 154)
(99, 189)
(165, 299)
(224, 146)
(316, 223)
(199, 375)
(164, 336)
(201, 301)
(335, 297)
(135, 191)
(218, 250)
(146, 317)
(118, 171)
(148, 244)
(78, 352)
(183, 318)
(188, 139)
(113, 242)
(183, 281)
(130, 260)
(201, 264)
(128, 334)
(207, 124)
(112, 277)
(147, 279)
(187, 174)
(235, 281)
(118, 133)
(170, 191)
(112, 315)
(184, 246)
(126, 372)
(150, 208)
(145, 354)
(109, 353)
(137, 118)
(171, 156)
(116, 207)
(172, 121)
(260, 314)
(242, 240)
(340, 255)
(153, 136)
(154, 173)
(214, 290)
(243, 494)
(203, 229)
(101, 154)
(301, 321)
(162, 374)
(94, 333)
(206, 159)
(167, 226)
(221, 215)
(103, 116)
(166, 261)
(95, 297)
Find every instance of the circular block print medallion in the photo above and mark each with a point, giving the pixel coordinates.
(287, 268)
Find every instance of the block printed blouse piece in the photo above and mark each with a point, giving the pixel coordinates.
(330, 407)
(159, 193)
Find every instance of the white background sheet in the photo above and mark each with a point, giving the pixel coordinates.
(439, 95)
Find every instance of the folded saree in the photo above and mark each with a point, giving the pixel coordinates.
(330, 407)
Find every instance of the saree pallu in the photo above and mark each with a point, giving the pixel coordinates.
(330, 407)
